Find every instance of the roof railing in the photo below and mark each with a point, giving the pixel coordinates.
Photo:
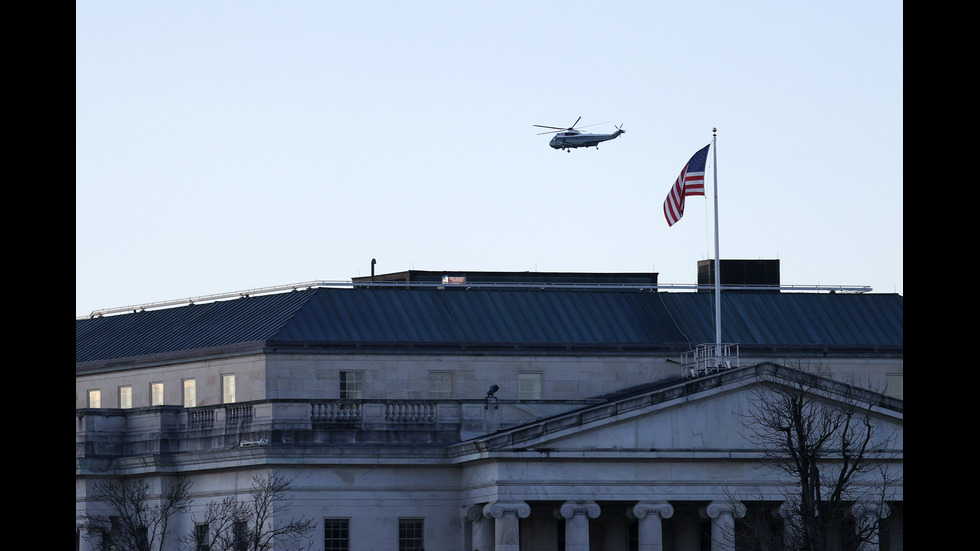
(706, 359)
(526, 285)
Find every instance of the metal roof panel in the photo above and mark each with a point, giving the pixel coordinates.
(498, 316)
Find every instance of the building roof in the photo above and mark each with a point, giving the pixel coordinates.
(512, 318)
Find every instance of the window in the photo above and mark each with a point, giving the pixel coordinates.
(227, 389)
(156, 394)
(336, 534)
(95, 398)
(351, 385)
(895, 387)
(240, 542)
(441, 385)
(201, 535)
(142, 537)
(190, 393)
(125, 397)
(410, 534)
(529, 386)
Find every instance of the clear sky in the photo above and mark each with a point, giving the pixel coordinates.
(224, 146)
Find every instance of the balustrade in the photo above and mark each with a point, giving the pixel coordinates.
(329, 422)
(333, 411)
(238, 414)
(200, 418)
(410, 411)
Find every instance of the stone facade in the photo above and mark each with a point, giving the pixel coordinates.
(662, 467)
(566, 378)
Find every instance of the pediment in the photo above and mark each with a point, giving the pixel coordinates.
(692, 416)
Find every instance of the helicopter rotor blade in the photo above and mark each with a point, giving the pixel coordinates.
(593, 124)
(572, 127)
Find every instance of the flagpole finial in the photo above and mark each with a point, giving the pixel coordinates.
(714, 130)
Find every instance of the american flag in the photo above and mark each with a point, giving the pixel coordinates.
(690, 182)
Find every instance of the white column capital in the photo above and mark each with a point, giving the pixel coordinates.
(865, 509)
(571, 508)
(717, 508)
(644, 508)
(475, 513)
(787, 509)
(498, 509)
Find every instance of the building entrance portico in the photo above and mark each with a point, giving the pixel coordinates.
(664, 470)
(651, 525)
(580, 525)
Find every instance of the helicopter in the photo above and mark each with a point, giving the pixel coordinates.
(570, 138)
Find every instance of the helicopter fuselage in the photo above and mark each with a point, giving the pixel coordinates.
(573, 138)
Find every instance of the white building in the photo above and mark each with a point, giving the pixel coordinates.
(374, 399)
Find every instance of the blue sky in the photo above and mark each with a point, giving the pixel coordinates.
(225, 146)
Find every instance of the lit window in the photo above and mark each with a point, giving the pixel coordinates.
(228, 389)
(125, 397)
(895, 387)
(156, 394)
(441, 385)
(351, 385)
(190, 393)
(529, 386)
(410, 534)
(95, 398)
(336, 534)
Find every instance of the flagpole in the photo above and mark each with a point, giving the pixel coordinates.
(714, 151)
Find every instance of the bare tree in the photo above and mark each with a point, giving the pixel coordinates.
(233, 525)
(822, 436)
(131, 521)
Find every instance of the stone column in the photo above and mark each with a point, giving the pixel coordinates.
(482, 529)
(577, 515)
(84, 544)
(506, 525)
(649, 516)
(791, 522)
(866, 516)
(723, 515)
